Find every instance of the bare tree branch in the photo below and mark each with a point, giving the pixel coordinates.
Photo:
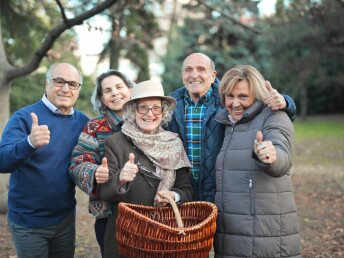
(231, 18)
(62, 10)
(51, 38)
(341, 2)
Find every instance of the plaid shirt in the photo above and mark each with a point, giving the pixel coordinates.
(194, 115)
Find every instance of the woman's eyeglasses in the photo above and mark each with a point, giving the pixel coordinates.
(144, 110)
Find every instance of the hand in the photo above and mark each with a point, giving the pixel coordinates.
(129, 170)
(264, 150)
(274, 100)
(40, 134)
(161, 199)
(102, 172)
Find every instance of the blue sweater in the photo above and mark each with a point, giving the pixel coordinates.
(41, 192)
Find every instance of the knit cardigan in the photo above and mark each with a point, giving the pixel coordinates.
(88, 154)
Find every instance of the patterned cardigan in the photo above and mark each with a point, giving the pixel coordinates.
(87, 156)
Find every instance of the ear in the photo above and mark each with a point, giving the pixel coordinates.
(182, 75)
(214, 73)
(46, 84)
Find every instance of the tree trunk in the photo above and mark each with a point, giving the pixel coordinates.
(4, 115)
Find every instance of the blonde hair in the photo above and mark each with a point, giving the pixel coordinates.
(243, 72)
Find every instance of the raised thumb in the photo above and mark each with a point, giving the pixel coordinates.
(268, 86)
(132, 158)
(104, 163)
(259, 137)
(34, 120)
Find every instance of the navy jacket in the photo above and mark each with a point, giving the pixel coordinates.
(212, 138)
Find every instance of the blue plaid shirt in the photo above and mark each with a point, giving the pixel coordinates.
(194, 116)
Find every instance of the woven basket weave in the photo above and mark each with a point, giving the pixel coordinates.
(145, 231)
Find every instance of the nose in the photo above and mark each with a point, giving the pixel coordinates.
(193, 74)
(236, 102)
(150, 112)
(65, 87)
(114, 92)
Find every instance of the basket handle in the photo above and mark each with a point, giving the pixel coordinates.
(176, 213)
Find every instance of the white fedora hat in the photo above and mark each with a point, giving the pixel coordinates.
(149, 89)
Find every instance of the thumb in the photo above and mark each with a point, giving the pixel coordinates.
(268, 86)
(104, 163)
(259, 136)
(132, 158)
(34, 120)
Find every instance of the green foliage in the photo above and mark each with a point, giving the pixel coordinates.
(26, 90)
(134, 28)
(84, 101)
(305, 40)
(24, 25)
(210, 32)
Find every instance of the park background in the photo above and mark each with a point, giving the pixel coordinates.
(298, 45)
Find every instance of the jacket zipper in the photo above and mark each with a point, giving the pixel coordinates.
(250, 186)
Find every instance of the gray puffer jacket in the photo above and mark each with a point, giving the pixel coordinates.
(257, 212)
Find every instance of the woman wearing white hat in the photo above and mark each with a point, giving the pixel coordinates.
(145, 161)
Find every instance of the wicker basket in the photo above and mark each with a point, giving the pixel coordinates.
(145, 231)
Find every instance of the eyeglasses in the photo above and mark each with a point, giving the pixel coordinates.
(60, 82)
(146, 173)
(144, 110)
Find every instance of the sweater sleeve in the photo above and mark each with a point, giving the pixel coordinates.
(280, 131)
(183, 185)
(111, 190)
(85, 159)
(14, 146)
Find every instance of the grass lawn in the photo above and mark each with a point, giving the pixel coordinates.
(318, 176)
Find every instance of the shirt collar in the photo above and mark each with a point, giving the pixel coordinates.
(53, 108)
(204, 100)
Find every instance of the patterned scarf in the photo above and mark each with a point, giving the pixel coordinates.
(164, 149)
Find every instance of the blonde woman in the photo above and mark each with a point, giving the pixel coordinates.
(257, 211)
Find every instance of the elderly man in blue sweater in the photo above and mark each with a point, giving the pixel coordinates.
(35, 148)
(198, 102)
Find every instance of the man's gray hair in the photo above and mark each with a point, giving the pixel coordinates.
(52, 68)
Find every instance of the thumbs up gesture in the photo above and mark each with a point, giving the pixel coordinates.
(274, 100)
(129, 170)
(40, 134)
(102, 172)
(264, 150)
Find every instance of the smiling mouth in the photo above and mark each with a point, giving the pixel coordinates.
(196, 83)
(63, 96)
